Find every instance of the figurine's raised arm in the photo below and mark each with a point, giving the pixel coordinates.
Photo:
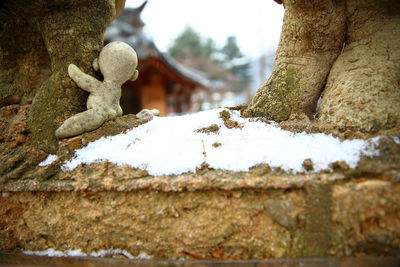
(83, 80)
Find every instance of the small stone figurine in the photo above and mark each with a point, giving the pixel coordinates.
(117, 62)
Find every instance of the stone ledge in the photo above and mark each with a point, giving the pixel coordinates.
(215, 215)
(110, 177)
(25, 260)
(211, 214)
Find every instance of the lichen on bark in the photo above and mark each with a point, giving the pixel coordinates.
(282, 85)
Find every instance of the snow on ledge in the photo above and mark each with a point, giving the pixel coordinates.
(171, 145)
(50, 159)
(78, 253)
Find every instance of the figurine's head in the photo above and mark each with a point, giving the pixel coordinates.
(118, 62)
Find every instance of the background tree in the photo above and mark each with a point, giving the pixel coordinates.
(226, 63)
(191, 42)
(235, 61)
(209, 47)
(231, 49)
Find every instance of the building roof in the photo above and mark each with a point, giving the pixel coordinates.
(128, 28)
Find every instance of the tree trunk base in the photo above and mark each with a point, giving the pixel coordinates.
(359, 85)
(363, 87)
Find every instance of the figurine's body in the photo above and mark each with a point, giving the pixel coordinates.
(117, 62)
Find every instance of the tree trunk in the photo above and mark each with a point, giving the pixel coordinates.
(312, 37)
(360, 84)
(363, 87)
(24, 65)
(72, 32)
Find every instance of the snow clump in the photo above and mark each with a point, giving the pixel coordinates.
(174, 145)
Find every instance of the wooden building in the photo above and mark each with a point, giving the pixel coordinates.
(163, 83)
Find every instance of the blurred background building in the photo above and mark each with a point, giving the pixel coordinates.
(163, 83)
(192, 74)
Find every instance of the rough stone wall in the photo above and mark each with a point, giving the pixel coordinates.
(358, 217)
(210, 214)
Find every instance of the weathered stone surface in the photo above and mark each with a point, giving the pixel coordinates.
(372, 220)
(212, 214)
(283, 212)
(14, 125)
(308, 165)
(118, 261)
(206, 223)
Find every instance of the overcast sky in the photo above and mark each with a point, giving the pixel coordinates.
(255, 23)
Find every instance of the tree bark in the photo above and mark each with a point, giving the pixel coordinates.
(24, 65)
(363, 87)
(72, 32)
(349, 50)
(312, 37)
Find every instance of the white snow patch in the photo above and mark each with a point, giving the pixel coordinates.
(78, 253)
(55, 253)
(396, 139)
(103, 253)
(50, 159)
(143, 256)
(171, 145)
